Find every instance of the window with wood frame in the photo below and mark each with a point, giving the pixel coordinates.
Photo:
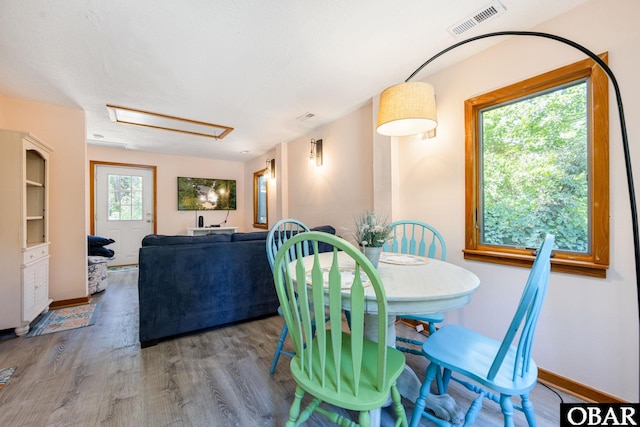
(537, 162)
(260, 199)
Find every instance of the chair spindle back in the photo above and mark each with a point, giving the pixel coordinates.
(527, 313)
(282, 231)
(416, 238)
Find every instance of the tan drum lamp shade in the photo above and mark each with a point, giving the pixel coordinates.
(407, 109)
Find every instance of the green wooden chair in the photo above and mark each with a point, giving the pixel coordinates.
(337, 366)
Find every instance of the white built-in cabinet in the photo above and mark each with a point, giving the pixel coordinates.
(24, 229)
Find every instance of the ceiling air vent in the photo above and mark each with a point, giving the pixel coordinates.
(305, 116)
(490, 11)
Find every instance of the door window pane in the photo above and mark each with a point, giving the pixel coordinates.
(125, 198)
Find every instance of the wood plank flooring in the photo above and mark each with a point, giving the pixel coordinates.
(99, 376)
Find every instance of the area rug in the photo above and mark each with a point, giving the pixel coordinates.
(123, 268)
(64, 319)
(5, 374)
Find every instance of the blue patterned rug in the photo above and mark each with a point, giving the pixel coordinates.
(64, 319)
(5, 374)
(123, 268)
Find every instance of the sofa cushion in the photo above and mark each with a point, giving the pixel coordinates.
(243, 237)
(262, 235)
(324, 247)
(163, 240)
(325, 228)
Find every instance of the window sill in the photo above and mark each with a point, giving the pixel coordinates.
(569, 266)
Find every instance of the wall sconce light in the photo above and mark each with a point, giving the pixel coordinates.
(270, 171)
(315, 157)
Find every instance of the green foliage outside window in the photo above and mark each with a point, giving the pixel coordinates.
(125, 198)
(534, 171)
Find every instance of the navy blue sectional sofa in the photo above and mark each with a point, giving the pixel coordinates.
(189, 283)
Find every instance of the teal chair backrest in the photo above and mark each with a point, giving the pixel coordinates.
(527, 313)
(340, 283)
(282, 231)
(416, 238)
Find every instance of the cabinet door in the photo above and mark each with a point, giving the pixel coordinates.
(35, 289)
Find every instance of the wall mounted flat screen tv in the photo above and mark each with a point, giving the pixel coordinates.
(206, 194)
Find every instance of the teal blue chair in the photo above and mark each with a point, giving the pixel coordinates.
(282, 231)
(498, 369)
(417, 238)
(336, 365)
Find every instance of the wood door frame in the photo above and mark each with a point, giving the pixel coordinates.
(92, 190)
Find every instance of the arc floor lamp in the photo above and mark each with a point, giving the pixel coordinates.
(409, 108)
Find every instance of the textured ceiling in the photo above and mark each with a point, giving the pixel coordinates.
(248, 64)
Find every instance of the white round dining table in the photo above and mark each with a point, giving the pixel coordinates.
(413, 285)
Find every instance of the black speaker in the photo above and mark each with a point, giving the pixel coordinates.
(200, 221)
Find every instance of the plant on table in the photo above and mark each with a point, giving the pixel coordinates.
(371, 230)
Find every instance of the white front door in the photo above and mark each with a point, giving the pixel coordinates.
(124, 208)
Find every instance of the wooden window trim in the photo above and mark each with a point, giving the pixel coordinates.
(256, 177)
(594, 264)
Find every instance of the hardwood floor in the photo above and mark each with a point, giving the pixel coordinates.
(98, 375)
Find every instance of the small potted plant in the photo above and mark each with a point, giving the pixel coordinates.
(371, 233)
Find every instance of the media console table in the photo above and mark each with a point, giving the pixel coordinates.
(199, 231)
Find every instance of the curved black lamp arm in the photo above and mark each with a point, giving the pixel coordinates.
(623, 126)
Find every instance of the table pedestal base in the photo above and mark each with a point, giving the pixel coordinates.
(443, 406)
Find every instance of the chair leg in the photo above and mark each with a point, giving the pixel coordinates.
(418, 409)
(446, 377)
(527, 408)
(276, 355)
(432, 328)
(401, 415)
(474, 408)
(507, 410)
(439, 382)
(294, 411)
(364, 419)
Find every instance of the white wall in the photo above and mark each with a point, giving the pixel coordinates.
(588, 329)
(343, 186)
(169, 220)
